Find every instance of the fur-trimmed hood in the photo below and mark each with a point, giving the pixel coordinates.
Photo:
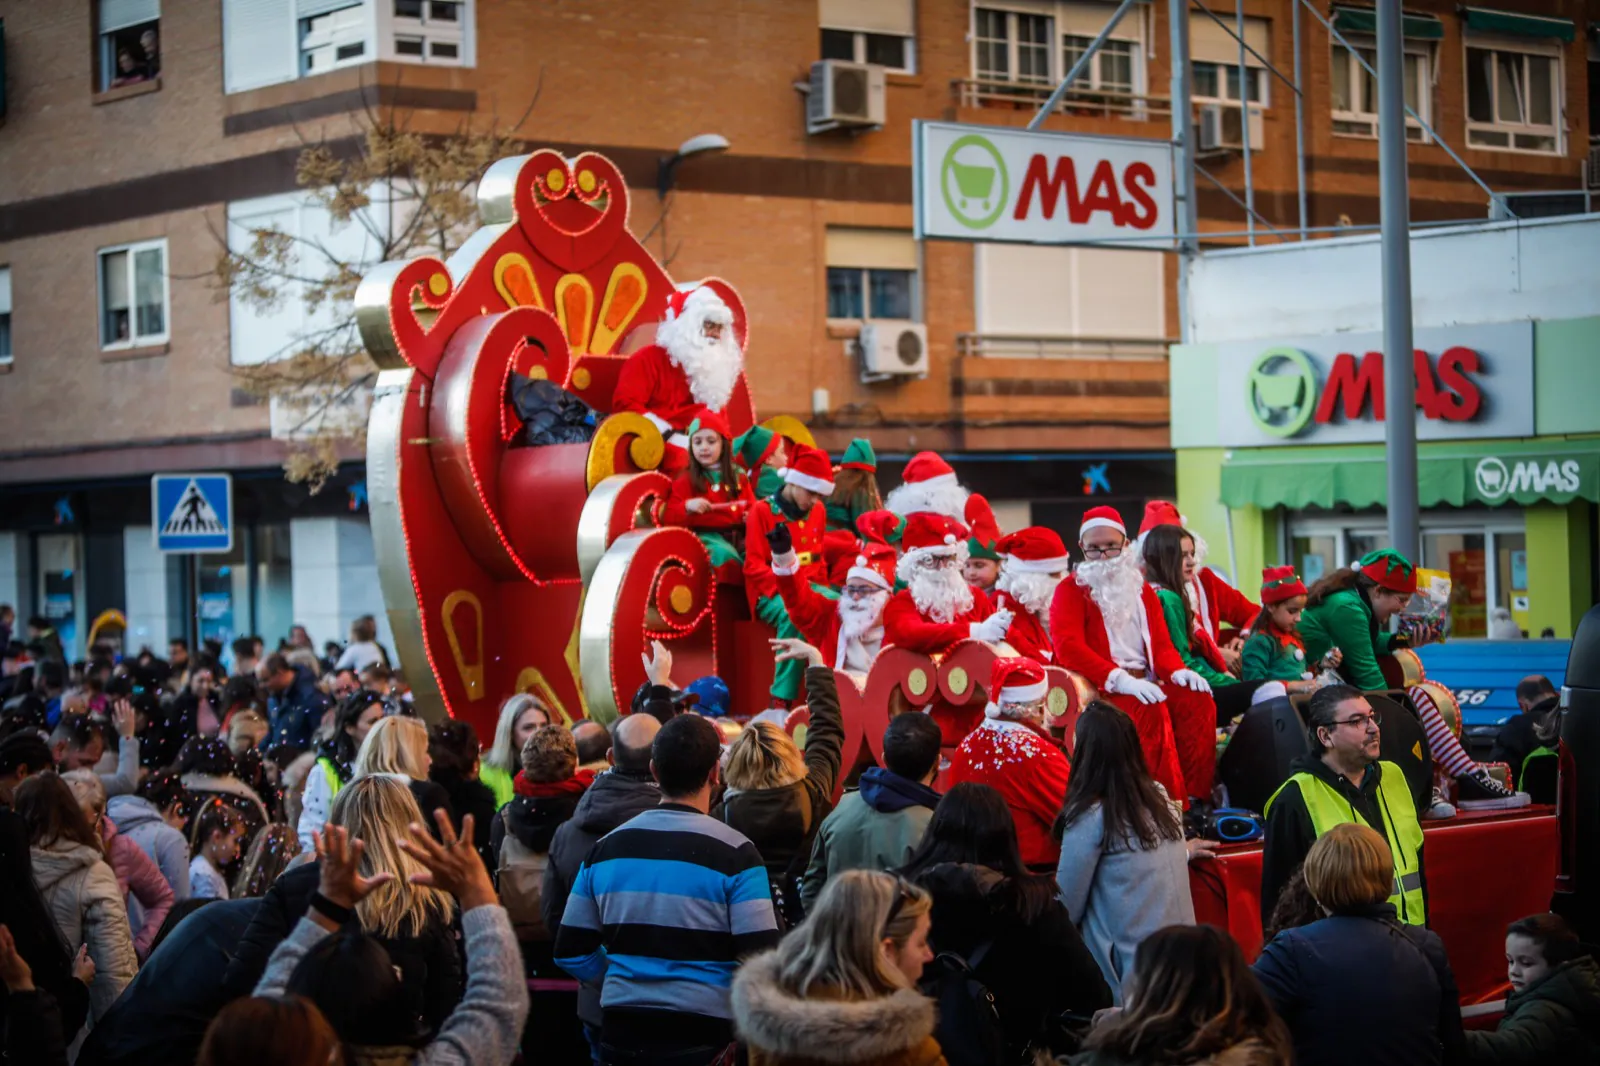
(818, 1029)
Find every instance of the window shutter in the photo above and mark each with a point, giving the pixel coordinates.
(1088, 19)
(880, 249)
(304, 9)
(873, 16)
(258, 43)
(120, 14)
(1210, 43)
(5, 290)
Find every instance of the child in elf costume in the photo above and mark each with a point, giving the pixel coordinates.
(1275, 651)
(711, 497)
(855, 486)
(764, 455)
(982, 568)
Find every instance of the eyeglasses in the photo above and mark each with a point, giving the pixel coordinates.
(860, 592)
(1359, 720)
(1102, 553)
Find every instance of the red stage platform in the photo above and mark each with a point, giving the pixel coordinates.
(1484, 871)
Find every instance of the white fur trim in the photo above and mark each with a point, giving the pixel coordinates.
(1059, 564)
(937, 481)
(862, 572)
(991, 710)
(679, 440)
(1025, 693)
(656, 420)
(1101, 523)
(806, 481)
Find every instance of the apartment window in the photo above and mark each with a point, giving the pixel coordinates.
(1513, 98)
(130, 42)
(430, 31)
(1012, 46)
(1355, 92)
(858, 46)
(1110, 69)
(1214, 61)
(872, 274)
(333, 38)
(5, 314)
(133, 295)
(1219, 82)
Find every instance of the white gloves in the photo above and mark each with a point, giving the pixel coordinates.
(991, 629)
(1125, 684)
(660, 423)
(1192, 681)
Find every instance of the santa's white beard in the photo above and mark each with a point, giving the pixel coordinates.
(1115, 584)
(947, 499)
(940, 594)
(712, 367)
(1033, 591)
(858, 618)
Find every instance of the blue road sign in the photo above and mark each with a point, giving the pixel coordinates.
(192, 512)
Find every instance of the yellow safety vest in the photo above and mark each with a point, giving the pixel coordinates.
(331, 772)
(1329, 808)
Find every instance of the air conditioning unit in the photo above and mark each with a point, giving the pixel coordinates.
(1219, 129)
(893, 349)
(844, 96)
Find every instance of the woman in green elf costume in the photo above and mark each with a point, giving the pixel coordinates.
(1350, 610)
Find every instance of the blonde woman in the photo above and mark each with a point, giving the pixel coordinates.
(519, 717)
(845, 981)
(398, 747)
(415, 923)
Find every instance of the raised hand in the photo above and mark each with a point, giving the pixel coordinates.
(15, 973)
(450, 863)
(658, 664)
(123, 718)
(780, 540)
(787, 649)
(339, 856)
(83, 966)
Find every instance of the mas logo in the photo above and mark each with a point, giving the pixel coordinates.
(1495, 480)
(1281, 391)
(974, 181)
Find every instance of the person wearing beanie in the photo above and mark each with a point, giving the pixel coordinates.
(763, 454)
(848, 631)
(792, 522)
(1034, 562)
(1275, 650)
(1211, 598)
(982, 569)
(928, 484)
(1011, 752)
(711, 497)
(855, 486)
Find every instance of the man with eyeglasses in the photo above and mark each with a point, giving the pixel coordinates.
(1343, 780)
(848, 631)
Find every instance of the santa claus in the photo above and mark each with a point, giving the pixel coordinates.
(1107, 625)
(849, 631)
(937, 608)
(1033, 562)
(695, 362)
(1212, 599)
(928, 484)
(1011, 753)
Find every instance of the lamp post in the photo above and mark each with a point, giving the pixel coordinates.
(700, 144)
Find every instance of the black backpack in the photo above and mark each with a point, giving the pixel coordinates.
(969, 1031)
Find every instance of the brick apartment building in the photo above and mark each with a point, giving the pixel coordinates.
(136, 132)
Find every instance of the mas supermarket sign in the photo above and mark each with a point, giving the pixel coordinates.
(988, 183)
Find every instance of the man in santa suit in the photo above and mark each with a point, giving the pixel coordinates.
(1212, 599)
(1107, 625)
(982, 569)
(928, 484)
(1033, 562)
(1011, 753)
(848, 631)
(694, 362)
(793, 522)
(937, 608)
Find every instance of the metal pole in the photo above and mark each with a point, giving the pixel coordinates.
(1244, 124)
(1299, 125)
(1083, 61)
(1183, 192)
(194, 598)
(1399, 375)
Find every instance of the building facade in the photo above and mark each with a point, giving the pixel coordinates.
(141, 136)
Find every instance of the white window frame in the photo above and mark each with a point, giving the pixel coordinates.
(106, 47)
(859, 49)
(5, 315)
(866, 293)
(1429, 71)
(357, 31)
(1051, 44)
(1093, 79)
(1131, 30)
(1222, 96)
(429, 32)
(135, 339)
(1558, 104)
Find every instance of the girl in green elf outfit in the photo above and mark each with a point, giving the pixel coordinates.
(1275, 650)
(855, 487)
(712, 496)
(1350, 610)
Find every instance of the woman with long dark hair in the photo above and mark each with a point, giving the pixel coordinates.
(1191, 999)
(1124, 864)
(1350, 609)
(1005, 921)
(336, 756)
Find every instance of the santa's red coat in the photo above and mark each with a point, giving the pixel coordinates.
(1027, 634)
(651, 383)
(905, 627)
(1028, 770)
(1221, 602)
(816, 616)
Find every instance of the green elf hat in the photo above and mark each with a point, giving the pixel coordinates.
(860, 456)
(1390, 570)
(985, 530)
(755, 446)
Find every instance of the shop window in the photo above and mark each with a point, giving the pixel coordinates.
(1355, 92)
(60, 587)
(133, 295)
(430, 31)
(5, 315)
(872, 274)
(1514, 98)
(130, 42)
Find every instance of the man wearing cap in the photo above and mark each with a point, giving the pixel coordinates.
(791, 523)
(1212, 599)
(1033, 563)
(848, 631)
(982, 569)
(1011, 753)
(928, 484)
(1107, 625)
(855, 486)
(695, 362)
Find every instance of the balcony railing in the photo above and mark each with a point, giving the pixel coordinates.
(1591, 166)
(1097, 103)
(993, 346)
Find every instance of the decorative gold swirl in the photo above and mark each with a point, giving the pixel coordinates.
(645, 451)
(791, 427)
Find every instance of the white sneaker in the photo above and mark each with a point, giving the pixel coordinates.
(1440, 807)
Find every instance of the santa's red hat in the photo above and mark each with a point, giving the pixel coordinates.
(1102, 518)
(874, 566)
(1015, 681)
(932, 533)
(1159, 513)
(1279, 583)
(706, 418)
(810, 469)
(680, 300)
(928, 470)
(1035, 550)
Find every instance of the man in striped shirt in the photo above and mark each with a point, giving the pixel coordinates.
(663, 910)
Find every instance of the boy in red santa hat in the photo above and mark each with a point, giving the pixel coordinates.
(1033, 562)
(848, 631)
(695, 362)
(982, 569)
(928, 484)
(1212, 599)
(1107, 625)
(791, 523)
(1011, 753)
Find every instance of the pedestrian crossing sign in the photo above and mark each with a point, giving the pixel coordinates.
(192, 512)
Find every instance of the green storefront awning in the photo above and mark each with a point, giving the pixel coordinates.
(1365, 20)
(1453, 473)
(1488, 20)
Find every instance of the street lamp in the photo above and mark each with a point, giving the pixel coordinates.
(667, 167)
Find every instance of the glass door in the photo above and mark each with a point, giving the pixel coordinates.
(60, 590)
(1464, 556)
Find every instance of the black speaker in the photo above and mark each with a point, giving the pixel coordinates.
(1403, 743)
(1256, 761)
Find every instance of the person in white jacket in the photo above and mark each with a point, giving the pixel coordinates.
(357, 714)
(78, 885)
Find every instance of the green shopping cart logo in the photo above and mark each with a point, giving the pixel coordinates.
(967, 178)
(1281, 391)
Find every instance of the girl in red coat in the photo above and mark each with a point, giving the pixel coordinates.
(712, 496)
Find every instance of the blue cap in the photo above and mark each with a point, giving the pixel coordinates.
(713, 693)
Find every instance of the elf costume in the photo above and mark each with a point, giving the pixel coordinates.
(753, 450)
(809, 470)
(858, 456)
(1345, 621)
(721, 528)
(1271, 654)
